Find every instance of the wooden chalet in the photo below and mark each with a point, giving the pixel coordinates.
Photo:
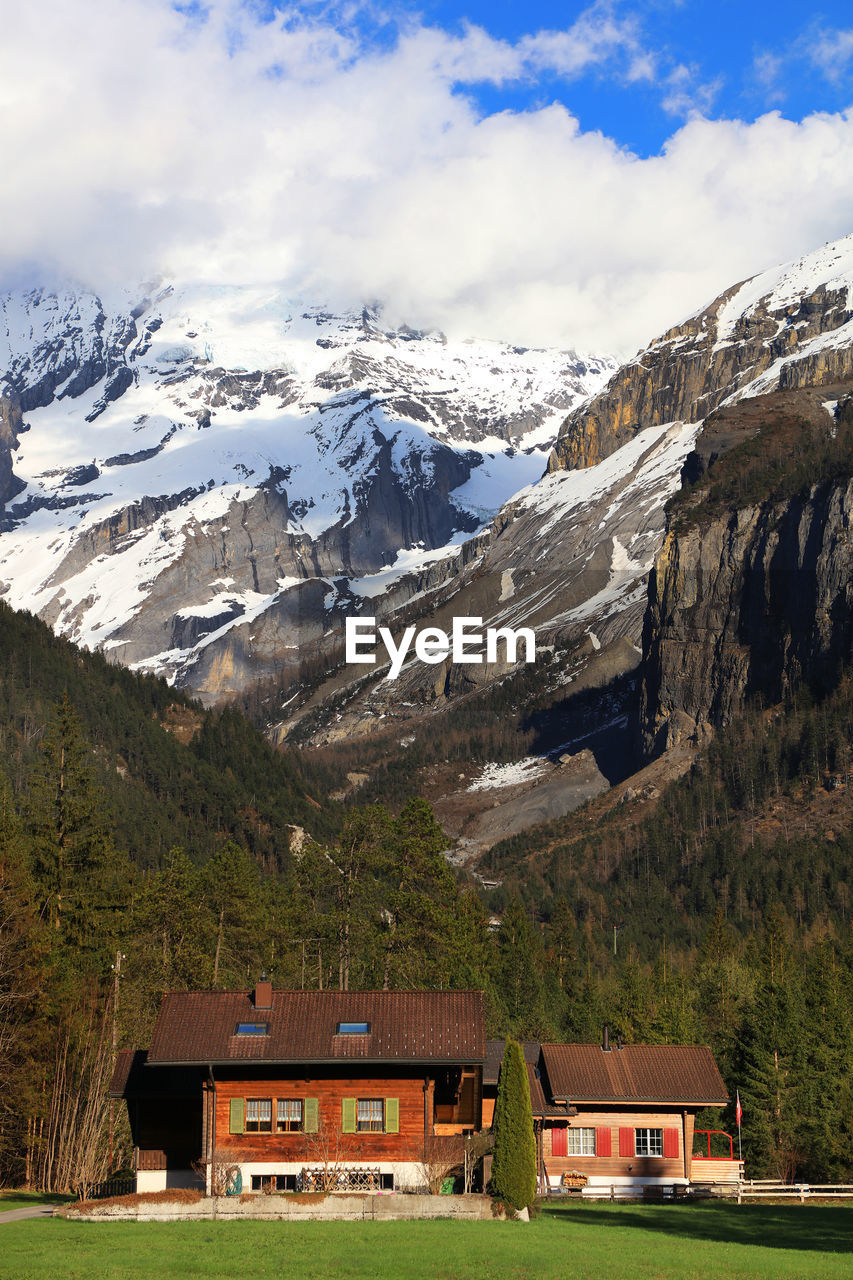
(613, 1119)
(283, 1089)
(292, 1090)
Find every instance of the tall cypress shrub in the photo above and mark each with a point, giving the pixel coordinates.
(514, 1163)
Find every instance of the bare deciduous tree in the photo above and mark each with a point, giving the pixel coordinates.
(437, 1157)
(329, 1150)
(70, 1146)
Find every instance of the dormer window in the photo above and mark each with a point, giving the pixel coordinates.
(353, 1028)
(252, 1029)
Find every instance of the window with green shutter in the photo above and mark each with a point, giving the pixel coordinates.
(235, 1123)
(311, 1114)
(392, 1115)
(348, 1115)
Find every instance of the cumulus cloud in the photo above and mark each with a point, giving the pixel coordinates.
(218, 144)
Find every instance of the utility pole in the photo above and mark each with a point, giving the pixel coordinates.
(116, 968)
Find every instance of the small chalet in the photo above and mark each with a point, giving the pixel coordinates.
(614, 1119)
(279, 1087)
(291, 1090)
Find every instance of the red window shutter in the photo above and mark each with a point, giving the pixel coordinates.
(670, 1143)
(559, 1141)
(626, 1142)
(603, 1142)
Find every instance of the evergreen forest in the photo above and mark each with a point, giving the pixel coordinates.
(147, 845)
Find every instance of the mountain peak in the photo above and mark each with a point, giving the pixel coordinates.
(186, 462)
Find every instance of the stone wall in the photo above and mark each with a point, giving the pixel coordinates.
(296, 1208)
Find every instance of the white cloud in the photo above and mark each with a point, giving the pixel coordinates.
(767, 72)
(593, 40)
(685, 95)
(831, 52)
(228, 148)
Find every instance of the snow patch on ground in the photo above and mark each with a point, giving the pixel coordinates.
(495, 776)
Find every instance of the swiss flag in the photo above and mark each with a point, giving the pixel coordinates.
(738, 1110)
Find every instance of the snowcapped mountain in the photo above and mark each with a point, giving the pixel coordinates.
(570, 554)
(199, 481)
(787, 327)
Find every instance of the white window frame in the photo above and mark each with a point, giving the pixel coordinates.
(580, 1141)
(648, 1143)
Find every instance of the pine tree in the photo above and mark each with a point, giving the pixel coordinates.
(768, 1060)
(232, 888)
(423, 940)
(174, 931)
(82, 880)
(518, 974)
(514, 1163)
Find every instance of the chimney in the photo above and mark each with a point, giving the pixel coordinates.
(263, 993)
(605, 1038)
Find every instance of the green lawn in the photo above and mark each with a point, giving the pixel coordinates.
(586, 1242)
(27, 1199)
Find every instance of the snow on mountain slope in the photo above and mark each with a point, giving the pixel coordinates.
(788, 327)
(570, 555)
(830, 268)
(191, 461)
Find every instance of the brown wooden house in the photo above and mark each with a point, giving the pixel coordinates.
(622, 1116)
(294, 1087)
(617, 1120)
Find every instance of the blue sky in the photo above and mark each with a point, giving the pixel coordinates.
(724, 58)
(548, 174)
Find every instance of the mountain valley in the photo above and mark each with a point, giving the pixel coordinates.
(358, 470)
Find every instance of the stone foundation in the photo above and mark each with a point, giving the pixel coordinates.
(297, 1208)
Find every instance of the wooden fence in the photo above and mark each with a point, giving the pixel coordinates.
(768, 1189)
(105, 1190)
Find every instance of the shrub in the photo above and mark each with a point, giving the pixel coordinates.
(514, 1164)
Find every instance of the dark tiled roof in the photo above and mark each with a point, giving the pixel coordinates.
(495, 1056)
(539, 1104)
(131, 1080)
(636, 1073)
(405, 1026)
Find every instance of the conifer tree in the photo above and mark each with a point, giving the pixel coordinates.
(174, 929)
(518, 974)
(514, 1163)
(232, 888)
(82, 880)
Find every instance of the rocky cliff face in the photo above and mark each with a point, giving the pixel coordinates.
(787, 328)
(570, 556)
(203, 482)
(748, 598)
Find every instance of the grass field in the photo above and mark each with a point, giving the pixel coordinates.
(587, 1242)
(27, 1200)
